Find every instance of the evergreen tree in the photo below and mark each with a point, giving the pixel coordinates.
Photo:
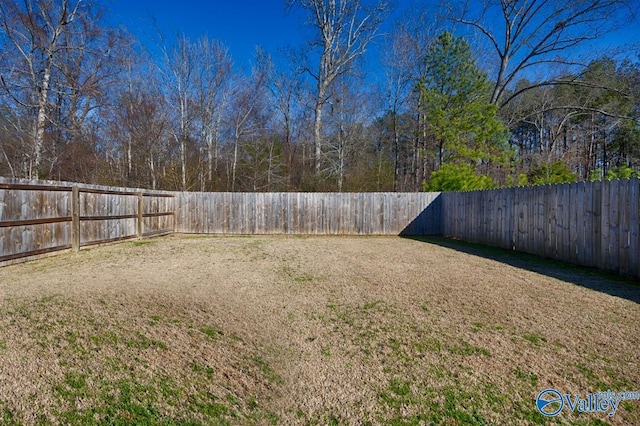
(460, 118)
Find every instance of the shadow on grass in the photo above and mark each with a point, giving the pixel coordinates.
(615, 285)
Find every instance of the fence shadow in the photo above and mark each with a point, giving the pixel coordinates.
(427, 223)
(612, 284)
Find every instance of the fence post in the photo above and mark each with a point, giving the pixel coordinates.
(140, 214)
(75, 218)
(176, 204)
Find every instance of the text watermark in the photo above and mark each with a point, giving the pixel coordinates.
(550, 402)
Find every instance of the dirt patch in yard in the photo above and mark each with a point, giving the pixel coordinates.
(310, 330)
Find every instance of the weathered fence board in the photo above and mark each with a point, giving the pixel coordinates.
(588, 223)
(158, 214)
(309, 213)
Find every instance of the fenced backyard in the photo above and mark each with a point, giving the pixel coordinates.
(592, 224)
(298, 326)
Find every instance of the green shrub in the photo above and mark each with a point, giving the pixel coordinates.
(453, 177)
(556, 172)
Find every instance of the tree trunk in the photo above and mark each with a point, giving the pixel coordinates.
(152, 169)
(234, 165)
(317, 135)
(183, 144)
(183, 162)
(42, 121)
(396, 150)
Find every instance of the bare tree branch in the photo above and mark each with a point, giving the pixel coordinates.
(537, 32)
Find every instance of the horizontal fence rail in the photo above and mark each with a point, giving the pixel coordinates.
(587, 223)
(38, 218)
(309, 213)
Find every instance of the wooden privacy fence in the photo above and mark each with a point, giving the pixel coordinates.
(37, 218)
(309, 213)
(588, 223)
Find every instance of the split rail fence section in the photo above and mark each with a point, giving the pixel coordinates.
(38, 217)
(588, 223)
(309, 213)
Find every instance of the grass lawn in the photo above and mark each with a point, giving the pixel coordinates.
(310, 330)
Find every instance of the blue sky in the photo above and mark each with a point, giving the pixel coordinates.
(244, 24)
(240, 24)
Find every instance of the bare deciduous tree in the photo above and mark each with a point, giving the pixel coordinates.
(286, 90)
(213, 72)
(343, 30)
(180, 63)
(525, 34)
(34, 31)
(138, 124)
(404, 59)
(246, 120)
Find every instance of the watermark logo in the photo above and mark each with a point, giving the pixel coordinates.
(550, 402)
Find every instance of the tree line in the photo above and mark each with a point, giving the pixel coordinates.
(467, 95)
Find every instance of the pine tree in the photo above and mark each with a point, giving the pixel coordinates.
(460, 118)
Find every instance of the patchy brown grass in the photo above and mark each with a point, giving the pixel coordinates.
(317, 330)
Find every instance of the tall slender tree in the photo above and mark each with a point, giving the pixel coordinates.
(343, 30)
(213, 74)
(179, 72)
(404, 64)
